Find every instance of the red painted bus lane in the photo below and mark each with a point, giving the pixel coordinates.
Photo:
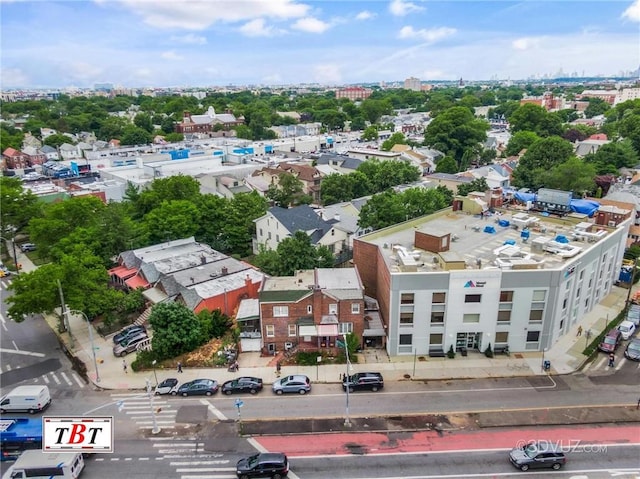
(432, 441)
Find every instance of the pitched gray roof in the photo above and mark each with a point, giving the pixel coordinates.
(351, 163)
(301, 218)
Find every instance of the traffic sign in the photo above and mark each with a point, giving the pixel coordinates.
(239, 403)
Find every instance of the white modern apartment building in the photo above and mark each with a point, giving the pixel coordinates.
(456, 280)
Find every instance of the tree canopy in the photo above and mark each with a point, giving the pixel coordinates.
(176, 330)
(294, 253)
(541, 156)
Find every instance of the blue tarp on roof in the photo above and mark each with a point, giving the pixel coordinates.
(561, 239)
(489, 229)
(524, 197)
(586, 207)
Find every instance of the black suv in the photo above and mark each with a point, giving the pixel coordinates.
(363, 381)
(265, 464)
(537, 455)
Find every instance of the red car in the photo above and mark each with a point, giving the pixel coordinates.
(611, 341)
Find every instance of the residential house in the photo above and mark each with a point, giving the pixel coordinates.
(451, 181)
(496, 175)
(30, 141)
(347, 215)
(280, 223)
(341, 163)
(248, 321)
(307, 174)
(589, 146)
(13, 159)
(70, 152)
(47, 132)
(312, 310)
(189, 272)
(50, 153)
(206, 123)
(354, 93)
(229, 186)
(36, 157)
(373, 154)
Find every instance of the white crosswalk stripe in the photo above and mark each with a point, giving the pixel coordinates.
(52, 377)
(191, 461)
(138, 409)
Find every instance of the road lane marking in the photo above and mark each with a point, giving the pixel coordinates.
(55, 378)
(67, 380)
(46, 379)
(214, 410)
(15, 346)
(179, 444)
(78, 380)
(206, 469)
(198, 463)
(25, 353)
(217, 476)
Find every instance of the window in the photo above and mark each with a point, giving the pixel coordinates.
(535, 315)
(271, 330)
(533, 336)
(471, 318)
(293, 330)
(539, 295)
(435, 339)
(472, 298)
(309, 309)
(269, 235)
(502, 337)
(564, 303)
(506, 296)
(406, 318)
(581, 275)
(406, 339)
(504, 316)
(438, 298)
(277, 238)
(406, 298)
(437, 317)
(345, 328)
(261, 234)
(280, 311)
(355, 308)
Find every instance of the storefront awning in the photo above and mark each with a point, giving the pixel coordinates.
(137, 281)
(328, 330)
(307, 330)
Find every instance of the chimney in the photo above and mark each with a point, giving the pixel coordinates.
(203, 259)
(336, 217)
(225, 271)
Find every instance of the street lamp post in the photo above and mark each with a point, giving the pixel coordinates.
(93, 348)
(154, 371)
(155, 429)
(347, 421)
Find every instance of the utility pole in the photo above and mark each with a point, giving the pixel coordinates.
(65, 319)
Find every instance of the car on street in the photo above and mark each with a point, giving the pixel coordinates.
(4, 271)
(198, 387)
(633, 350)
(244, 384)
(274, 465)
(626, 328)
(130, 344)
(633, 314)
(538, 455)
(296, 383)
(127, 332)
(363, 382)
(25, 247)
(611, 341)
(168, 386)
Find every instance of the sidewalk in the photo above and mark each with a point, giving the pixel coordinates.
(565, 356)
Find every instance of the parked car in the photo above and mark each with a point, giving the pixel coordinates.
(168, 386)
(127, 332)
(244, 384)
(633, 314)
(4, 271)
(25, 247)
(198, 387)
(129, 344)
(264, 464)
(611, 341)
(538, 455)
(296, 383)
(633, 350)
(363, 381)
(626, 328)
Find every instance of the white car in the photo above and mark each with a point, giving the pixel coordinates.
(626, 328)
(168, 386)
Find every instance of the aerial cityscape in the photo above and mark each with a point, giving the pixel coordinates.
(394, 239)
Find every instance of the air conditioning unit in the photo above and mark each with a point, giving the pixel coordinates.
(288, 346)
(612, 223)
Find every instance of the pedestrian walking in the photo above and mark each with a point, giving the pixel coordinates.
(579, 331)
(612, 360)
(124, 366)
(179, 367)
(278, 368)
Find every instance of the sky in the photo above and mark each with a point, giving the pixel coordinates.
(204, 43)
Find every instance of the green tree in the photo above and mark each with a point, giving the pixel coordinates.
(57, 139)
(288, 191)
(239, 228)
(134, 135)
(447, 165)
(172, 220)
(613, 156)
(530, 117)
(572, 175)
(297, 252)
(10, 137)
(373, 109)
(112, 127)
(144, 121)
(213, 324)
(370, 133)
(176, 330)
(519, 141)
(395, 139)
(478, 184)
(541, 156)
(17, 206)
(174, 137)
(267, 260)
(454, 131)
(382, 210)
(596, 106)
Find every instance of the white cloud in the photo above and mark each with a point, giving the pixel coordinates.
(526, 43)
(365, 15)
(170, 55)
(310, 25)
(189, 39)
(400, 8)
(327, 74)
(258, 28)
(13, 77)
(198, 15)
(427, 35)
(633, 12)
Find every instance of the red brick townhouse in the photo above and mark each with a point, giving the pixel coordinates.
(310, 310)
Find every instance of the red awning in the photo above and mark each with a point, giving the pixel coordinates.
(137, 281)
(122, 272)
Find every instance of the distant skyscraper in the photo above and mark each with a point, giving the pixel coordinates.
(412, 83)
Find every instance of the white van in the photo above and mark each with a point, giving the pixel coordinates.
(46, 465)
(29, 399)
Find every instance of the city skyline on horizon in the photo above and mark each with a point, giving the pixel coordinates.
(284, 42)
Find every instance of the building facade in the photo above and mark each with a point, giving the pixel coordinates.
(452, 280)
